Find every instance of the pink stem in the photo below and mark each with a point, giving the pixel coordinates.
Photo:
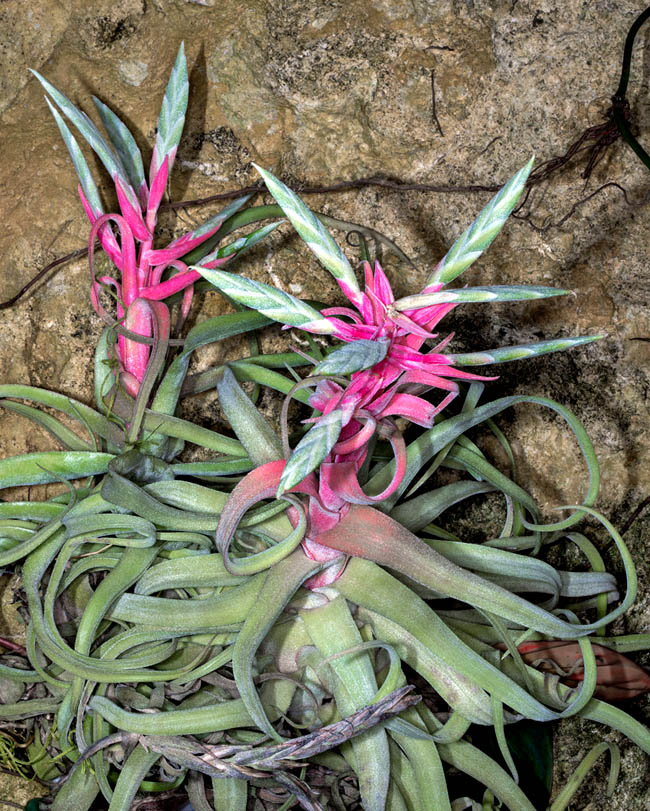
(12, 646)
(136, 355)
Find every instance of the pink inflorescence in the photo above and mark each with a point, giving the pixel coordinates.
(373, 397)
(390, 388)
(142, 266)
(387, 388)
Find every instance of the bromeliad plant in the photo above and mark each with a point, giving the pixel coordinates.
(389, 373)
(141, 266)
(358, 532)
(182, 614)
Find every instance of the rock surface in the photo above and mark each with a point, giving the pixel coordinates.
(325, 91)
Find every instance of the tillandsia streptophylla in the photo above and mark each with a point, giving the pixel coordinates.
(148, 274)
(161, 621)
(389, 372)
(356, 525)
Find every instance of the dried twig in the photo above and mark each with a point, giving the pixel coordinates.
(434, 115)
(4, 305)
(255, 763)
(330, 736)
(548, 224)
(12, 646)
(637, 512)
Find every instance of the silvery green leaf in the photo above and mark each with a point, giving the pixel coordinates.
(314, 233)
(269, 301)
(124, 144)
(514, 292)
(81, 167)
(219, 218)
(252, 430)
(352, 357)
(240, 245)
(86, 127)
(470, 245)
(311, 450)
(172, 114)
(507, 353)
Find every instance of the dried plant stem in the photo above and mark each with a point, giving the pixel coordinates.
(255, 764)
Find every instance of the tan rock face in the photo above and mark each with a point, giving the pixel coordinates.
(329, 91)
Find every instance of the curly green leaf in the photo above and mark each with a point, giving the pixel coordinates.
(280, 584)
(51, 466)
(253, 431)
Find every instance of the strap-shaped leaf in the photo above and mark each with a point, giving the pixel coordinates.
(470, 245)
(172, 115)
(269, 301)
(253, 431)
(280, 584)
(353, 357)
(333, 630)
(222, 216)
(55, 427)
(51, 466)
(187, 245)
(81, 167)
(314, 233)
(124, 144)
(240, 245)
(498, 292)
(221, 327)
(311, 450)
(506, 353)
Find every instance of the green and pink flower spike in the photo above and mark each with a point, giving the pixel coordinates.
(382, 353)
(147, 274)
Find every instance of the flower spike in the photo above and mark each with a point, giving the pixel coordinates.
(146, 273)
(125, 146)
(515, 292)
(504, 354)
(269, 301)
(91, 134)
(314, 233)
(172, 116)
(471, 244)
(90, 192)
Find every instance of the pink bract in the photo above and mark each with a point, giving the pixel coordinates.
(141, 268)
(390, 388)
